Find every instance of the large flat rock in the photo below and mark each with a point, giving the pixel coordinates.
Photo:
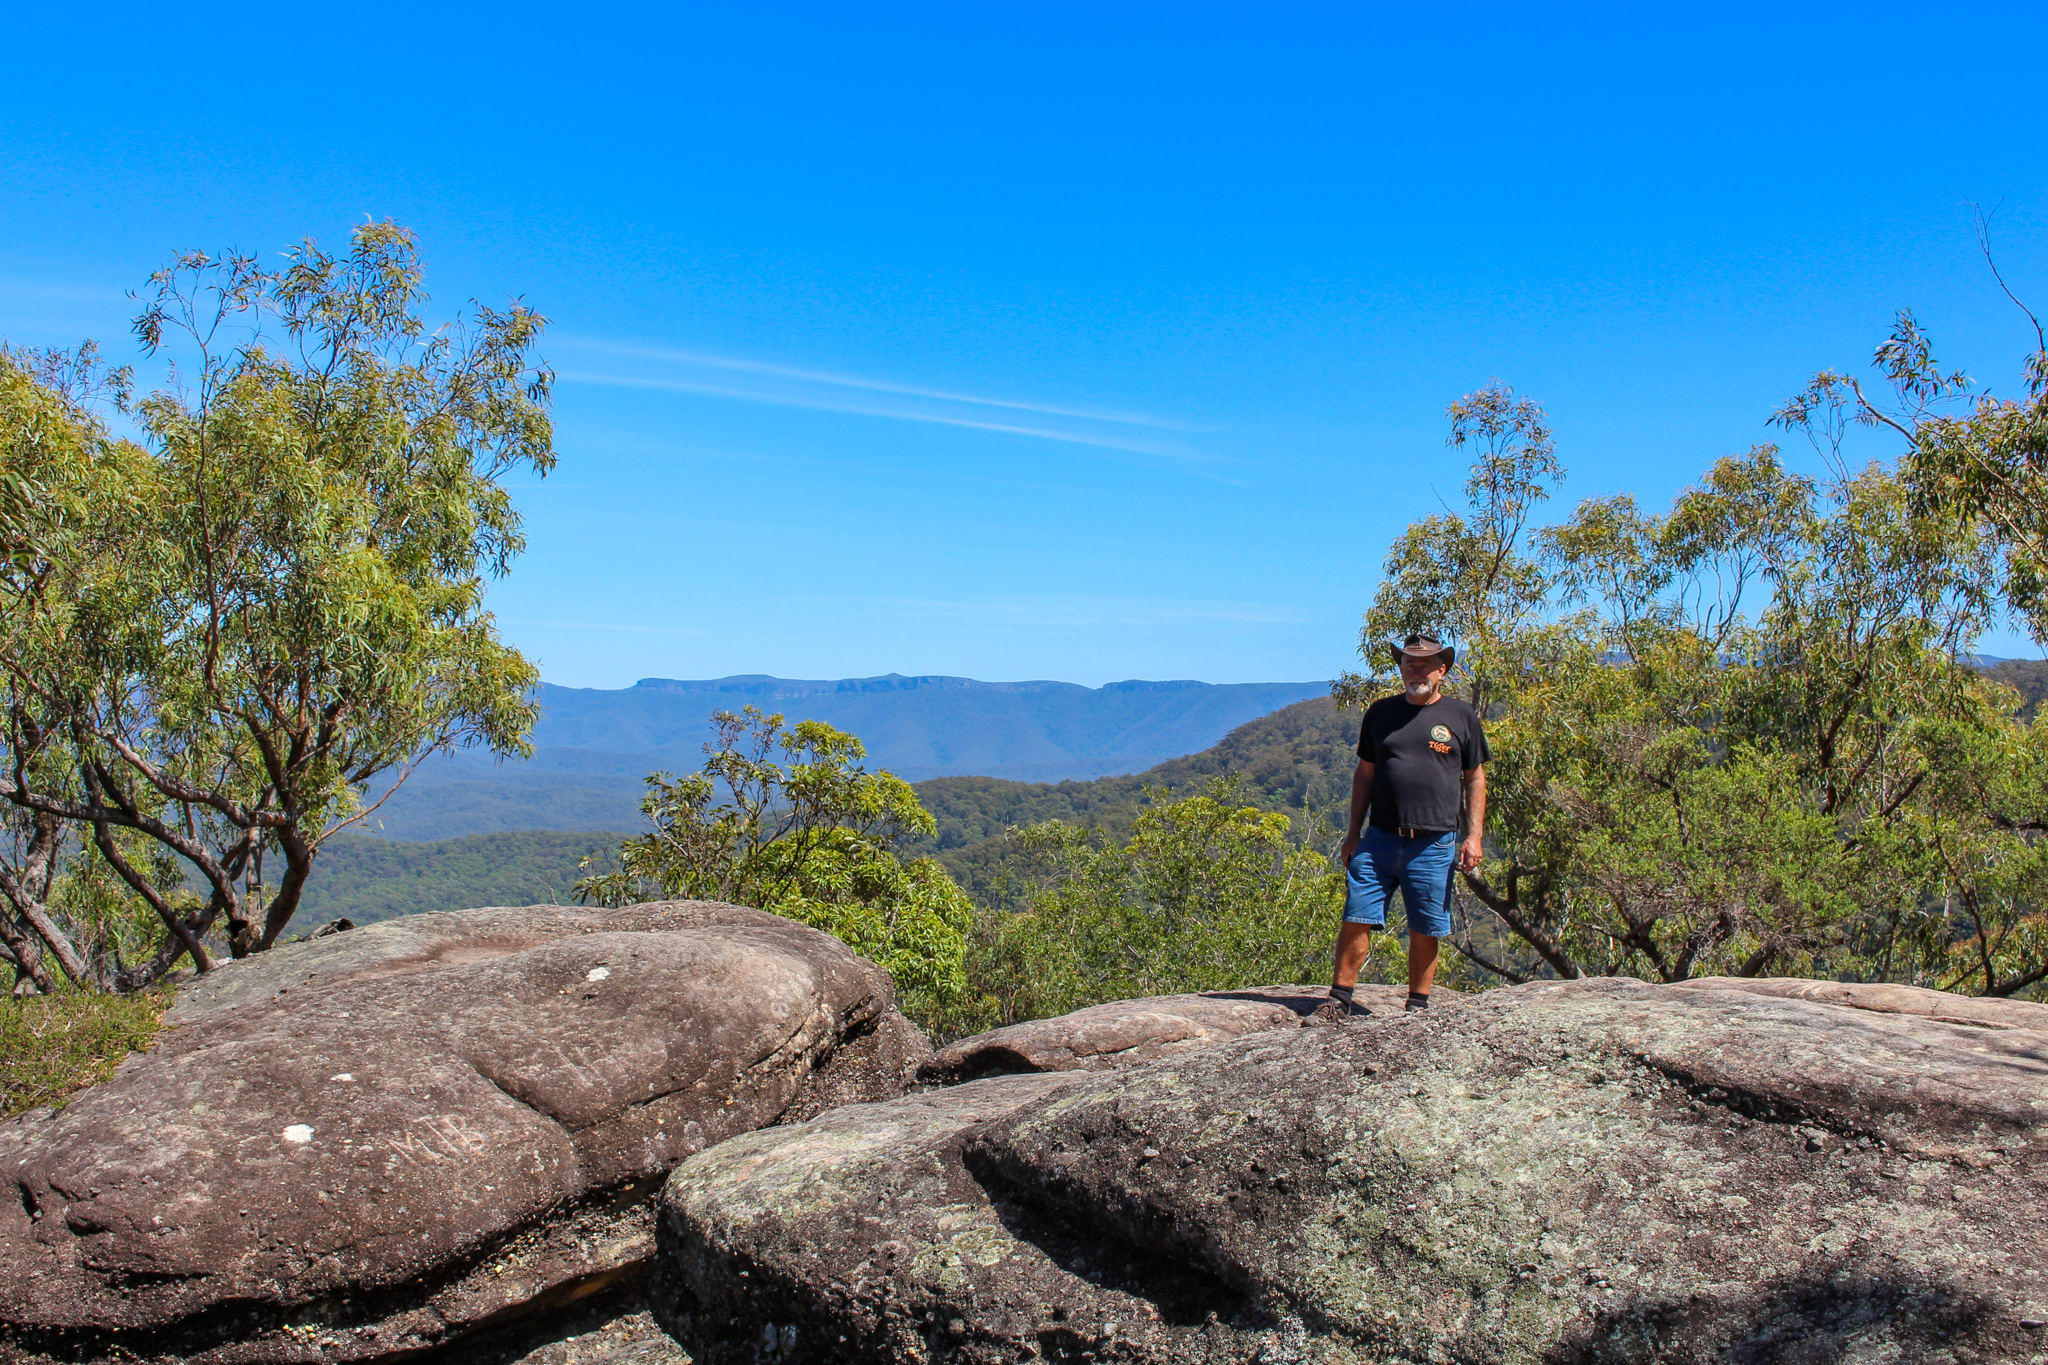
(1126, 1033)
(1593, 1171)
(1884, 997)
(366, 1144)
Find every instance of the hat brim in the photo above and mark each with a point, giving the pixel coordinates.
(1447, 656)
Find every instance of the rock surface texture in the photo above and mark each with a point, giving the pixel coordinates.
(1127, 1032)
(370, 1143)
(1574, 1172)
(862, 1236)
(1885, 998)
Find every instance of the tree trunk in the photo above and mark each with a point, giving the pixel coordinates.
(21, 954)
(182, 937)
(298, 865)
(1546, 946)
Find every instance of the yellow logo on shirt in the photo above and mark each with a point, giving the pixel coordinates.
(1440, 739)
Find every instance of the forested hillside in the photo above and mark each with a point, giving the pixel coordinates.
(1295, 758)
(593, 747)
(364, 879)
(1287, 760)
(2028, 677)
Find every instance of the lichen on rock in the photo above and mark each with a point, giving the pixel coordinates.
(861, 1236)
(1577, 1171)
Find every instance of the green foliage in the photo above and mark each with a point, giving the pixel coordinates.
(214, 640)
(1205, 894)
(1980, 831)
(1460, 574)
(53, 1046)
(2028, 677)
(812, 838)
(1976, 466)
(366, 879)
(103, 915)
(1296, 760)
(1741, 735)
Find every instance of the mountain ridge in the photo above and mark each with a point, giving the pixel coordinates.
(1297, 759)
(593, 747)
(907, 682)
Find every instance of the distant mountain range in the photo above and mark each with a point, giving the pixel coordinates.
(593, 748)
(1297, 760)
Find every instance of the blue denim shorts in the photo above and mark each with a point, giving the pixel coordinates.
(1421, 867)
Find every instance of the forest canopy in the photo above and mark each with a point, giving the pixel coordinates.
(214, 635)
(1743, 734)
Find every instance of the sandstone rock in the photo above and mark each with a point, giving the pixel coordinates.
(609, 1328)
(366, 1144)
(860, 1236)
(1885, 998)
(1589, 1171)
(1128, 1032)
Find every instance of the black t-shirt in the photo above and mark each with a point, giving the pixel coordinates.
(1419, 754)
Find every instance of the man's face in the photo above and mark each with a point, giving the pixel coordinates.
(1421, 676)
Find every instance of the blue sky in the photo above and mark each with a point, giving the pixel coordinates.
(1080, 342)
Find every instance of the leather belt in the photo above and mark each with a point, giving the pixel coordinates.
(1410, 832)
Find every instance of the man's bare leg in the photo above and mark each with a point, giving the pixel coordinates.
(1354, 943)
(1422, 953)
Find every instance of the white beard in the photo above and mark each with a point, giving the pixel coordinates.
(1420, 690)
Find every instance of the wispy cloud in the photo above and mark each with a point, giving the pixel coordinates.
(1103, 440)
(667, 447)
(789, 386)
(848, 381)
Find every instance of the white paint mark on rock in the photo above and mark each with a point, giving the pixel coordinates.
(299, 1132)
(341, 1076)
(597, 973)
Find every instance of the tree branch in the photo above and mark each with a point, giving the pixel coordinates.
(1472, 955)
(1548, 948)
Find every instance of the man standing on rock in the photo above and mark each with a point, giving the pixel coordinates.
(1421, 756)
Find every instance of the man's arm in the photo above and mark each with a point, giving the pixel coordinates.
(1475, 819)
(1361, 801)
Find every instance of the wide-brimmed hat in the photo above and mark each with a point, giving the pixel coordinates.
(1423, 647)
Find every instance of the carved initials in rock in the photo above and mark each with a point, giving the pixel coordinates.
(443, 1138)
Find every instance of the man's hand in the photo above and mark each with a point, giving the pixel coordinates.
(1469, 854)
(1346, 849)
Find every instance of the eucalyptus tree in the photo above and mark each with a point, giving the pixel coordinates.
(1975, 470)
(278, 594)
(786, 819)
(1206, 893)
(70, 500)
(1730, 736)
